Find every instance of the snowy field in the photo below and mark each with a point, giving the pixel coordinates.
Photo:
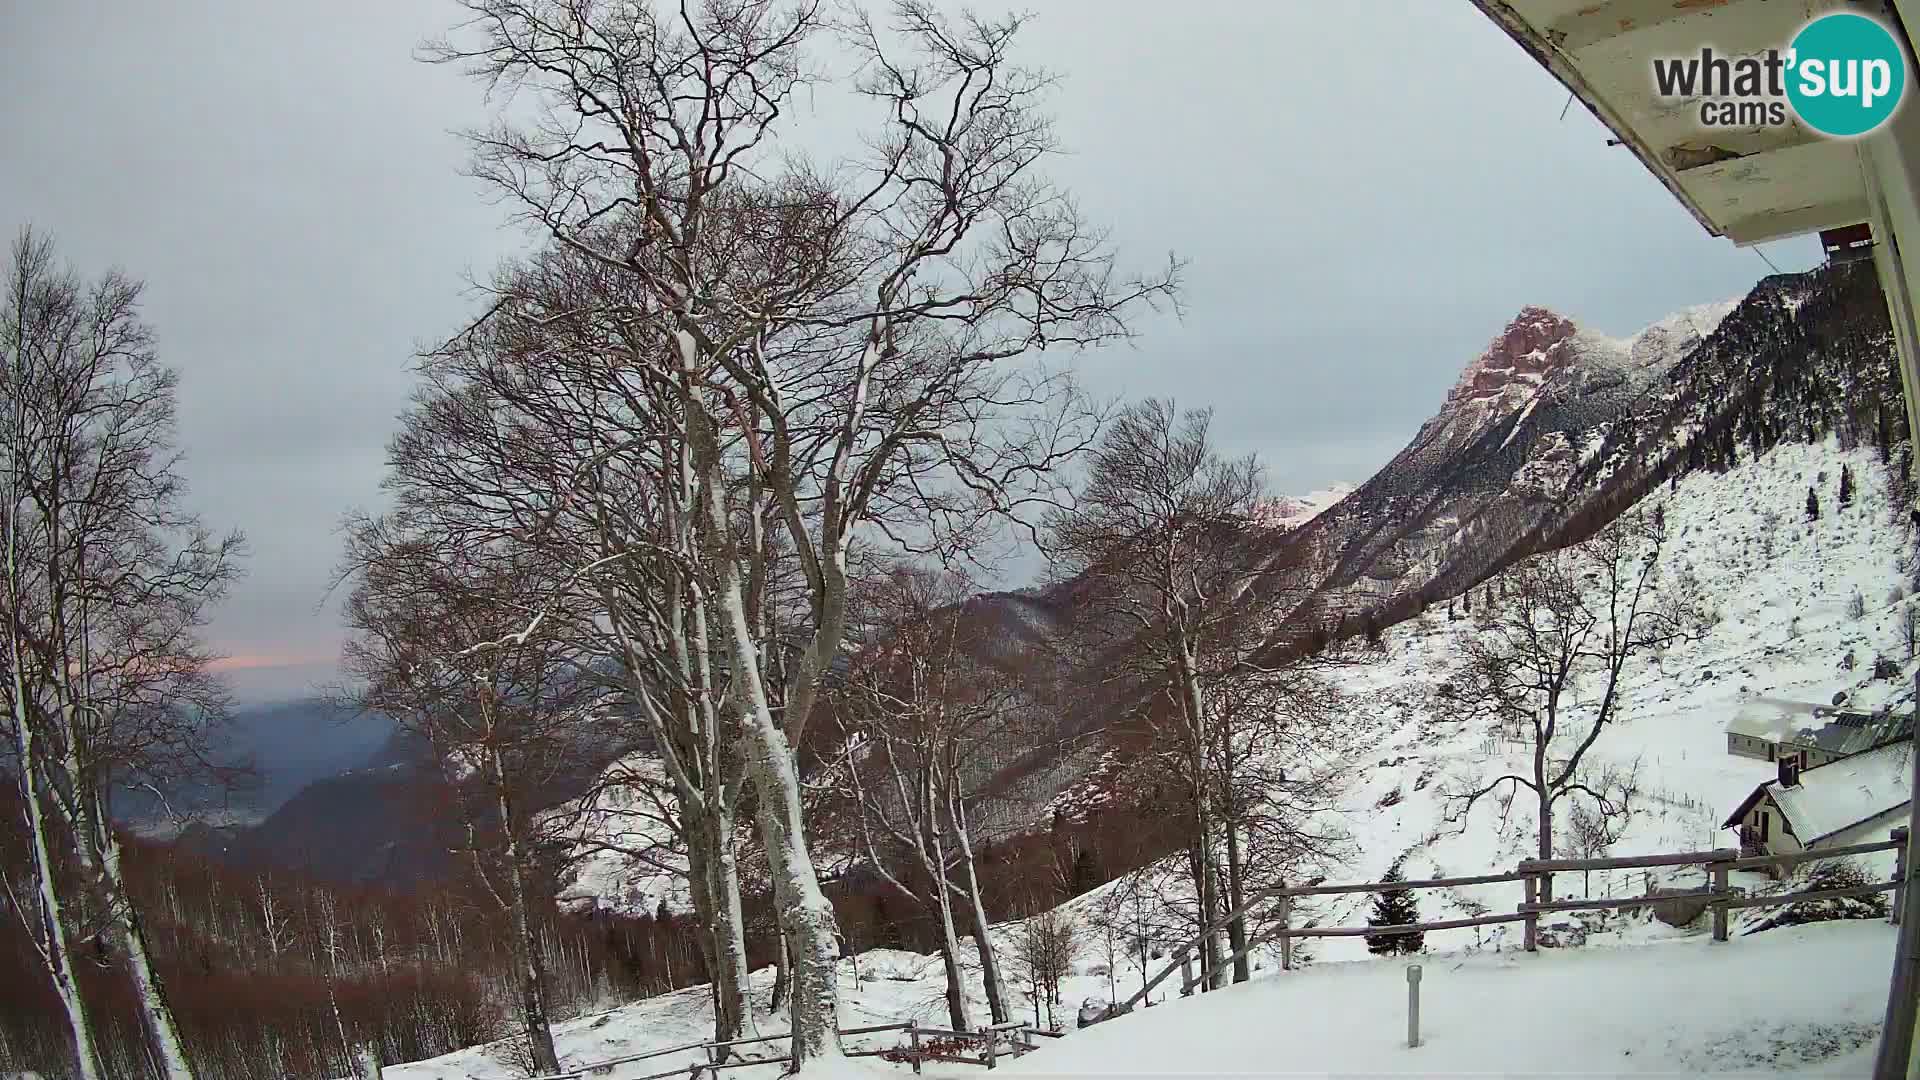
(1639, 997)
(1801, 1001)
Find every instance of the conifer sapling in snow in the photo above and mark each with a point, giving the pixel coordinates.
(1394, 907)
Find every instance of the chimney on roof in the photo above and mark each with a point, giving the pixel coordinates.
(1789, 770)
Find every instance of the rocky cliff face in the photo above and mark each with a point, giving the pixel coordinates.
(1518, 360)
(1488, 468)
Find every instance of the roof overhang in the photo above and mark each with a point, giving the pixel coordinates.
(1749, 184)
(1759, 792)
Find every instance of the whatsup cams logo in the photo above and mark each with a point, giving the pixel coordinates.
(1842, 75)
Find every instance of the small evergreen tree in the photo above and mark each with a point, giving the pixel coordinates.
(1394, 907)
(1846, 485)
(1813, 505)
(1086, 872)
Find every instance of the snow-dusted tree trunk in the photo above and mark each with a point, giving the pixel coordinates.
(957, 1011)
(327, 943)
(53, 939)
(806, 917)
(714, 884)
(527, 962)
(1205, 873)
(97, 852)
(169, 1049)
(983, 941)
(1235, 897)
(731, 975)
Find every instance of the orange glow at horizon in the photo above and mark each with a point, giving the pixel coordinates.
(255, 661)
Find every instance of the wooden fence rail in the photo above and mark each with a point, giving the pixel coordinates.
(1536, 874)
(1721, 899)
(1534, 867)
(989, 1037)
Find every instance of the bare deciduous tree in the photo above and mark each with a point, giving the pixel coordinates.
(450, 643)
(836, 340)
(1162, 542)
(108, 581)
(1553, 658)
(925, 720)
(1047, 946)
(1596, 825)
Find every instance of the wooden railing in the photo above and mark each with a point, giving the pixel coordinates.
(1536, 875)
(921, 1044)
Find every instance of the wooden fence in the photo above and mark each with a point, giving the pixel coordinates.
(1536, 876)
(920, 1044)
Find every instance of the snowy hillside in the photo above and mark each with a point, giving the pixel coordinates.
(626, 858)
(1782, 587)
(1781, 591)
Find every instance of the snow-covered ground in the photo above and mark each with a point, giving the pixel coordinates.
(890, 986)
(1639, 996)
(1800, 1001)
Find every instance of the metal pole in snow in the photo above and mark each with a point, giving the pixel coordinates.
(1413, 1005)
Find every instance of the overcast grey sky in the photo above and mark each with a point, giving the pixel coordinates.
(1367, 191)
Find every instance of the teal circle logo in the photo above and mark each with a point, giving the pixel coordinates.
(1846, 74)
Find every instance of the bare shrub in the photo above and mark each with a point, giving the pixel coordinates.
(1046, 947)
(1831, 874)
(516, 1053)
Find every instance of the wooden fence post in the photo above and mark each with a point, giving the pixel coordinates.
(1719, 901)
(1533, 917)
(1286, 940)
(1899, 874)
(913, 1038)
(992, 1038)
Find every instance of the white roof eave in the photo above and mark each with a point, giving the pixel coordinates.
(1749, 185)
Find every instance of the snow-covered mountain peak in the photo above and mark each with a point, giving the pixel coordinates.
(1539, 341)
(1665, 342)
(1293, 511)
(1522, 354)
